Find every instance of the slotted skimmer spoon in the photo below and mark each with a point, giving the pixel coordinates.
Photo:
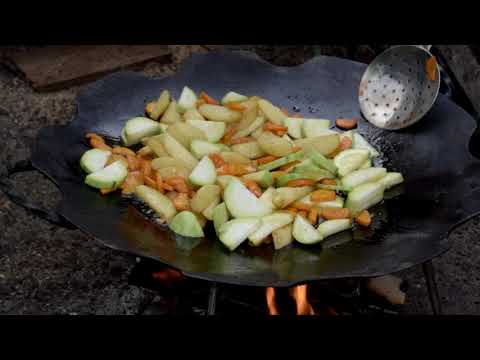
(399, 87)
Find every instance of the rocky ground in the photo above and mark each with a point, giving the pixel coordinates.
(48, 270)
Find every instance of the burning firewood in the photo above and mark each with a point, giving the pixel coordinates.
(388, 287)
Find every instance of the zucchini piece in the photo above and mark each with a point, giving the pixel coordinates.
(282, 237)
(366, 165)
(324, 144)
(256, 124)
(171, 171)
(257, 133)
(306, 166)
(161, 204)
(193, 114)
(201, 220)
(204, 173)
(336, 204)
(178, 151)
(274, 145)
(94, 160)
(359, 142)
(186, 224)
(251, 150)
(160, 105)
(220, 216)
(188, 100)
(284, 196)
(234, 232)
(322, 161)
(204, 197)
(110, 177)
(348, 134)
(219, 113)
(362, 176)
(282, 161)
(123, 137)
(288, 138)
(350, 160)
(317, 176)
(294, 126)
(307, 200)
(156, 145)
(138, 128)
(304, 232)
(145, 151)
(165, 161)
(201, 148)
(391, 179)
(267, 197)
(233, 157)
(269, 224)
(185, 133)
(331, 227)
(314, 127)
(242, 203)
(271, 112)
(212, 130)
(264, 178)
(364, 197)
(208, 212)
(223, 180)
(330, 187)
(171, 115)
(232, 96)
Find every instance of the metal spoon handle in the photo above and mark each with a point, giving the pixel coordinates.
(426, 47)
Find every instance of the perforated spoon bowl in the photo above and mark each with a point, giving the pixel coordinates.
(397, 90)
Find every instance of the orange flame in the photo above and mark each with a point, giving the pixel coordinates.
(272, 305)
(298, 293)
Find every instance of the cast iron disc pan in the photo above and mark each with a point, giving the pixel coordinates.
(442, 184)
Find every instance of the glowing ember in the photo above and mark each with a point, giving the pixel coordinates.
(272, 305)
(168, 276)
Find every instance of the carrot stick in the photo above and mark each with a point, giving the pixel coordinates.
(208, 99)
(217, 160)
(303, 213)
(236, 106)
(301, 206)
(241, 140)
(333, 214)
(266, 159)
(313, 216)
(150, 182)
(346, 124)
(364, 219)
(323, 195)
(328, 182)
(300, 182)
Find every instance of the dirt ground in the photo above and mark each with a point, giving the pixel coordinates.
(45, 269)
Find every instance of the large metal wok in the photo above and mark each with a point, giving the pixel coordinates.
(442, 184)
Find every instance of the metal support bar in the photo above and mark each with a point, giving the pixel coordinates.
(212, 299)
(429, 273)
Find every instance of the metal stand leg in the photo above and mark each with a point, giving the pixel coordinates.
(429, 273)
(212, 299)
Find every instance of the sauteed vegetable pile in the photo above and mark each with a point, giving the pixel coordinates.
(258, 173)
